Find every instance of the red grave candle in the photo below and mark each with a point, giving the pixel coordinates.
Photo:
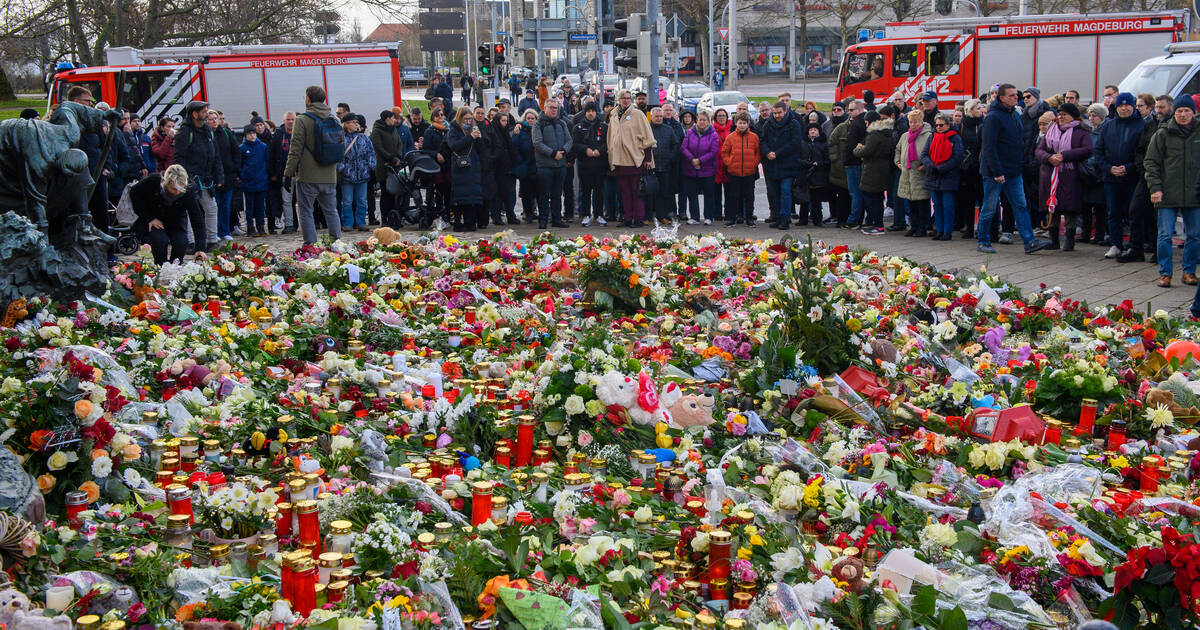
(481, 502)
(525, 425)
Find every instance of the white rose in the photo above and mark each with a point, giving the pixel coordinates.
(700, 542)
(994, 458)
(574, 405)
(643, 514)
(57, 461)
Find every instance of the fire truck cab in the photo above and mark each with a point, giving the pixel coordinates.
(962, 58)
(269, 79)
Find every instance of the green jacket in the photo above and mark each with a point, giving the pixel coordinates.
(1173, 165)
(837, 143)
(300, 161)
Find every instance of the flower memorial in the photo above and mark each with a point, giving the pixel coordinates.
(594, 433)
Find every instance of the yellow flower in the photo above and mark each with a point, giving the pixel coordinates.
(853, 324)
(57, 461)
(744, 553)
(757, 540)
(156, 329)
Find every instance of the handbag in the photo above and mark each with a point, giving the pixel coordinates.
(462, 161)
(647, 185)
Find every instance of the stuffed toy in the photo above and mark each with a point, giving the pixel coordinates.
(211, 624)
(638, 397)
(851, 571)
(262, 443)
(386, 236)
(189, 371)
(16, 613)
(324, 343)
(1160, 397)
(690, 410)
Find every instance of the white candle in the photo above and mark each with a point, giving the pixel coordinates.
(59, 597)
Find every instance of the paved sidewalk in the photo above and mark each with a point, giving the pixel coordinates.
(1082, 274)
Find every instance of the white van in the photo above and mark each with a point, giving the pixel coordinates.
(1177, 72)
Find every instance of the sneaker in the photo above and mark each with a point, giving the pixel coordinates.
(1112, 252)
(985, 249)
(1005, 238)
(601, 221)
(291, 229)
(708, 222)
(1036, 245)
(874, 231)
(227, 238)
(693, 222)
(897, 228)
(849, 226)
(831, 221)
(237, 231)
(586, 221)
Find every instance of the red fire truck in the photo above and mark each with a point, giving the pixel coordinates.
(962, 58)
(269, 79)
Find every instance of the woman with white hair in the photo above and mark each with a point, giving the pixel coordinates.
(161, 202)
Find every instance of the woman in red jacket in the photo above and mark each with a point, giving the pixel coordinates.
(723, 125)
(162, 143)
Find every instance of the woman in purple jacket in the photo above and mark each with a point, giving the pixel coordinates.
(701, 153)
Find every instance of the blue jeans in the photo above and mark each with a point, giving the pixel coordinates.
(256, 210)
(1117, 195)
(223, 197)
(943, 210)
(1191, 244)
(550, 193)
(1014, 188)
(783, 193)
(853, 177)
(693, 187)
(354, 205)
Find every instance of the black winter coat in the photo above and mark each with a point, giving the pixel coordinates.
(856, 133)
(386, 143)
(196, 152)
(525, 168)
(149, 204)
(228, 149)
(944, 176)
(972, 141)
(818, 151)
(590, 135)
(281, 142)
(466, 183)
(876, 157)
(666, 156)
(784, 140)
(504, 151)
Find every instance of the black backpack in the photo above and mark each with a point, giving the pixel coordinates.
(329, 141)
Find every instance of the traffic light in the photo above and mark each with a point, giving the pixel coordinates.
(498, 54)
(627, 40)
(485, 60)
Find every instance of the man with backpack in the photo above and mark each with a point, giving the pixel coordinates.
(196, 152)
(318, 144)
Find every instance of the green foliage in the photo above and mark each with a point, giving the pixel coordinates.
(810, 327)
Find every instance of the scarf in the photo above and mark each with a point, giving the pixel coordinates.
(439, 126)
(723, 128)
(1058, 140)
(913, 158)
(940, 148)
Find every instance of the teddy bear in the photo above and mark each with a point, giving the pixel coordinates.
(850, 570)
(197, 374)
(690, 410)
(386, 236)
(1160, 397)
(324, 343)
(639, 397)
(15, 613)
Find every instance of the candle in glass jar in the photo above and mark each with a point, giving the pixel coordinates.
(283, 523)
(1053, 434)
(718, 588)
(59, 597)
(340, 538)
(525, 425)
(304, 587)
(504, 457)
(1148, 479)
(310, 529)
(719, 542)
(1087, 417)
(180, 500)
(481, 502)
(76, 502)
(336, 591)
(326, 564)
(179, 531)
(1116, 434)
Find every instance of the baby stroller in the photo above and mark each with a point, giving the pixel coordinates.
(417, 199)
(120, 222)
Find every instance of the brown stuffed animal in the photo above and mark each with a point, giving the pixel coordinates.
(851, 571)
(1161, 397)
(386, 236)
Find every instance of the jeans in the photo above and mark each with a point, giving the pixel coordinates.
(223, 197)
(354, 204)
(208, 208)
(874, 208)
(943, 210)
(1191, 244)
(899, 206)
(256, 210)
(1014, 188)
(853, 177)
(550, 189)
(693, 187)
(307, 196)
(1117, 196)
(783, 195)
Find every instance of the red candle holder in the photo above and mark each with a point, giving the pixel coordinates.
(525, 426)
(481, 502)
(1087, 417)
(283, 522)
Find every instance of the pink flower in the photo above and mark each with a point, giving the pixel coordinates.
(738, 429)
(435, 619)
(444, 440)
(584, 439)
(661, 585)
(620, 499)
(567, 528)
(586, 525)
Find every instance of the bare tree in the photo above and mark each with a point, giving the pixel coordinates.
(851, 16)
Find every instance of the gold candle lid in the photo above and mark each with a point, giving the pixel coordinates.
(720, 536)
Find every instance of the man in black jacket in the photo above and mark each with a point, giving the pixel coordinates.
(856, 134)
(590, 144)
(282, 199)
(196, 152)
(1143, 220)
(231, 163)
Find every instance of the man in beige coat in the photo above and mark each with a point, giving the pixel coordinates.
(630, 155)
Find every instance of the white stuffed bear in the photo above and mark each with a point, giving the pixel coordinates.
(15, 613)
(639, 396)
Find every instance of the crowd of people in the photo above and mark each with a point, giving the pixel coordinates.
(1052, 171)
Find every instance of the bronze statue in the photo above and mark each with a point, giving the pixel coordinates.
(48, 244)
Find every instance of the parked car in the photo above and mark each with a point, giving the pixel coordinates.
(685, 96)
(612, 82)
(642, 84)
(728, 100)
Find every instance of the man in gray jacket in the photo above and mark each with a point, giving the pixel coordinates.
(551, 144)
